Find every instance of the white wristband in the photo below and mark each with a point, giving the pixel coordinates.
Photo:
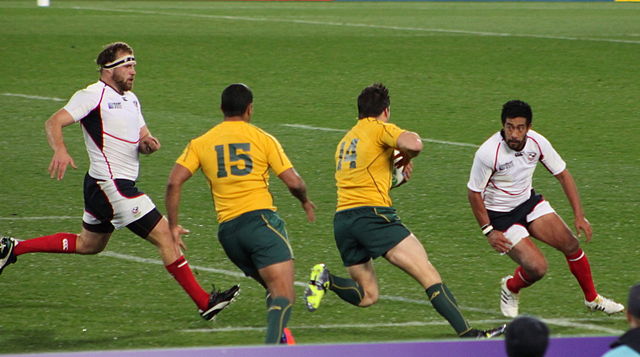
(487, 229)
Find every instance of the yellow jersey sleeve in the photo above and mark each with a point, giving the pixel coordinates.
(278, 160)
(236, 157)
(364, 164)
(189, 159)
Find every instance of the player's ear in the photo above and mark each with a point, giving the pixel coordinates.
(249, 111)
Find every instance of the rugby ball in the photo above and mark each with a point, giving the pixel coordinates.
(397, 173)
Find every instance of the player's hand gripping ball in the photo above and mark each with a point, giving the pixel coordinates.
(398, 170)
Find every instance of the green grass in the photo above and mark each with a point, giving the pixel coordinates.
(448, 72)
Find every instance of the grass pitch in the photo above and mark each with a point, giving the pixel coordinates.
(449, 67)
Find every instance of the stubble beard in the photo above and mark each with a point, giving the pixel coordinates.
(123, 84)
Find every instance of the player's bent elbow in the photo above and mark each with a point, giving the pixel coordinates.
(410, 142)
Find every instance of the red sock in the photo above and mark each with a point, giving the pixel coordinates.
(182, 273)
(520, 280)
(55, 243)
(581, 269)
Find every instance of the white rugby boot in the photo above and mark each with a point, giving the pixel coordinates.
(605, 305)
(508, 299)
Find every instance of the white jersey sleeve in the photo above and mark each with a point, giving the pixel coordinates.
(141, 121)
(483, 165)
(549, 157)
(84, 101)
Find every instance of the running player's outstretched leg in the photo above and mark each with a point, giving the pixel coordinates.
(347, 289)
(552, 230)
(410, 256)
(278, 279)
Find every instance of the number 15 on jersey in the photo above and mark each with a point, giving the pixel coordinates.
(240, 161)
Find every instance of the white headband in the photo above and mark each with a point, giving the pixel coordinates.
(122, 61)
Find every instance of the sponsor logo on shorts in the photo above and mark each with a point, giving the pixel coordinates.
(65, 244)
(135, 210)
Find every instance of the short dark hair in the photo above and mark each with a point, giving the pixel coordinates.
(235, 99)
(110, 51)
(526, 336)
(633, 306)
(516, 108)
(373, 100)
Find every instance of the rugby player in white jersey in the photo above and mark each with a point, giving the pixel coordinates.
(114, 133)
(511, 213)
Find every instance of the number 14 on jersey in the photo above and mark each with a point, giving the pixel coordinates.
(349, 156)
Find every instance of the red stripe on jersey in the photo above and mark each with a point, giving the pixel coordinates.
(495, 160)
(115, 137)
(507, 192)
(100, 145)
(541, 154)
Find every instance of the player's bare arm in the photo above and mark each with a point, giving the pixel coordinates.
(298, 189)
(178, 176)
(571, 191)
(410, 144)
(496, 239)
(61, 158)
(148, 143)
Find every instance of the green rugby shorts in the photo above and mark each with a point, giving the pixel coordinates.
(254, 240)
(364, 233)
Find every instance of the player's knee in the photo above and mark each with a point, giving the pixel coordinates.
(571, 247)
(90, 245)
(538, 271)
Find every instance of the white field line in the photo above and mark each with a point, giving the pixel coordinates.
(554, 321)
(299, 126)
(360, 25)
(33, 97)
(558, 322)
(43, 218)
(309, 127)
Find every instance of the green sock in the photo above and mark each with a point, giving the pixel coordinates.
(445, 304)
(267, 299)
(347, 289)
(277, 317)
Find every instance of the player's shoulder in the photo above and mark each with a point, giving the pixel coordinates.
(538, 138)
(262, 133)
(491, 144)
(93, 89)
(205, 138)
(379, 127)
(130, 95)
(534, 134)
(385, 125)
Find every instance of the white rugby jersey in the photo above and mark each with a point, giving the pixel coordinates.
(111, 125)
(504, 176)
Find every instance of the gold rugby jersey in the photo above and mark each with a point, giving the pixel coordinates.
(364, 164)
(235, 157)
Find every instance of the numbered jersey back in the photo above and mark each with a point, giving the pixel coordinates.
(363, 164)
(236, 156)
